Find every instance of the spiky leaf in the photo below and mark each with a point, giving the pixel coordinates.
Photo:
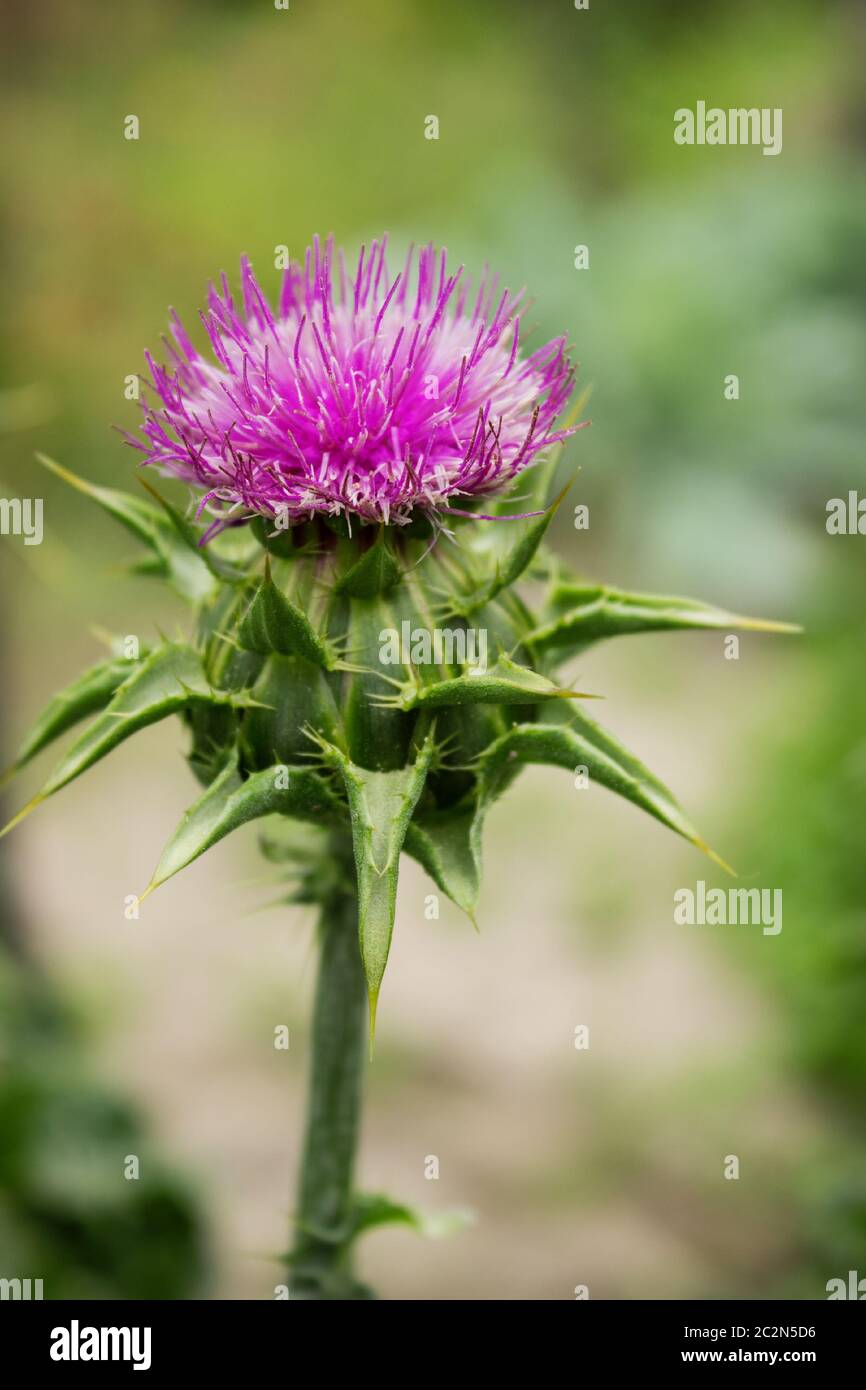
(137, 515)
(170, 679)
(586, 613)
(582, 743)
(273, 623)
(180, 563)
(92, 691)
(182, 529)
(380, 808)
(531, 487)
(371, 1210)
(230, 801)
(506, 683)
(375, 573)
(447, 845)
(513, 562)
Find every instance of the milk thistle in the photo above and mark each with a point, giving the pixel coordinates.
(360, 457)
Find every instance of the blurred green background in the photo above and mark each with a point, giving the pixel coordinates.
(259, 128)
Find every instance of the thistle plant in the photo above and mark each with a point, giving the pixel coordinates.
(378, 631)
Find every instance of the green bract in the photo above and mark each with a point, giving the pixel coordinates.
(388, 681)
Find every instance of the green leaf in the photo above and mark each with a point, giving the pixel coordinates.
(380, 807)
(588, 613)
(272, 623)
(376, 735)
(92, 691)
(151, 566)
(370, 1210)
(375, 573)
(186, 571)
(278, 542)
(170, 679)
(231, 801)
(581, 743)
(531, 487)
(292, 694)
(447, 844)
(137, 515)
(506, 683)
(179, 562)
(293, 842)
(181, 529)
(512, 564)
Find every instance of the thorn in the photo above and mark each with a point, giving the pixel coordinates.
(764, 625)
(576, 411)
(154, 883)
(239, 700)
(716, 858)
(374, 671)
(373, 996)
(340, 665)
(103, 635)
(22, 814)
(148, 487)
(64, 473)
(559, 496)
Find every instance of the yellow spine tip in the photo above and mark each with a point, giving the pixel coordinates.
(559, 496)
(373, 996)
(766, 625)
(22, 814)
(716, 858)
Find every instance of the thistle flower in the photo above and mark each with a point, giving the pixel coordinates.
(384, 403)
(375, 396)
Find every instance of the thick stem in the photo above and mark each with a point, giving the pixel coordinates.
(322, 1256)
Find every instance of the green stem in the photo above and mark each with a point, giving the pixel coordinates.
(321, 1261)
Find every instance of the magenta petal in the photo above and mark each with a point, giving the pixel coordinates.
(383, 398)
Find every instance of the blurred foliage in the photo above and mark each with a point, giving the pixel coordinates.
(809, 788)
(68, 1215)
(809, 793)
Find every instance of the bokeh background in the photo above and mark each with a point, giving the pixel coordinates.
(261, 127)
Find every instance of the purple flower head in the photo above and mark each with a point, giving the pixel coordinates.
(360, 394)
